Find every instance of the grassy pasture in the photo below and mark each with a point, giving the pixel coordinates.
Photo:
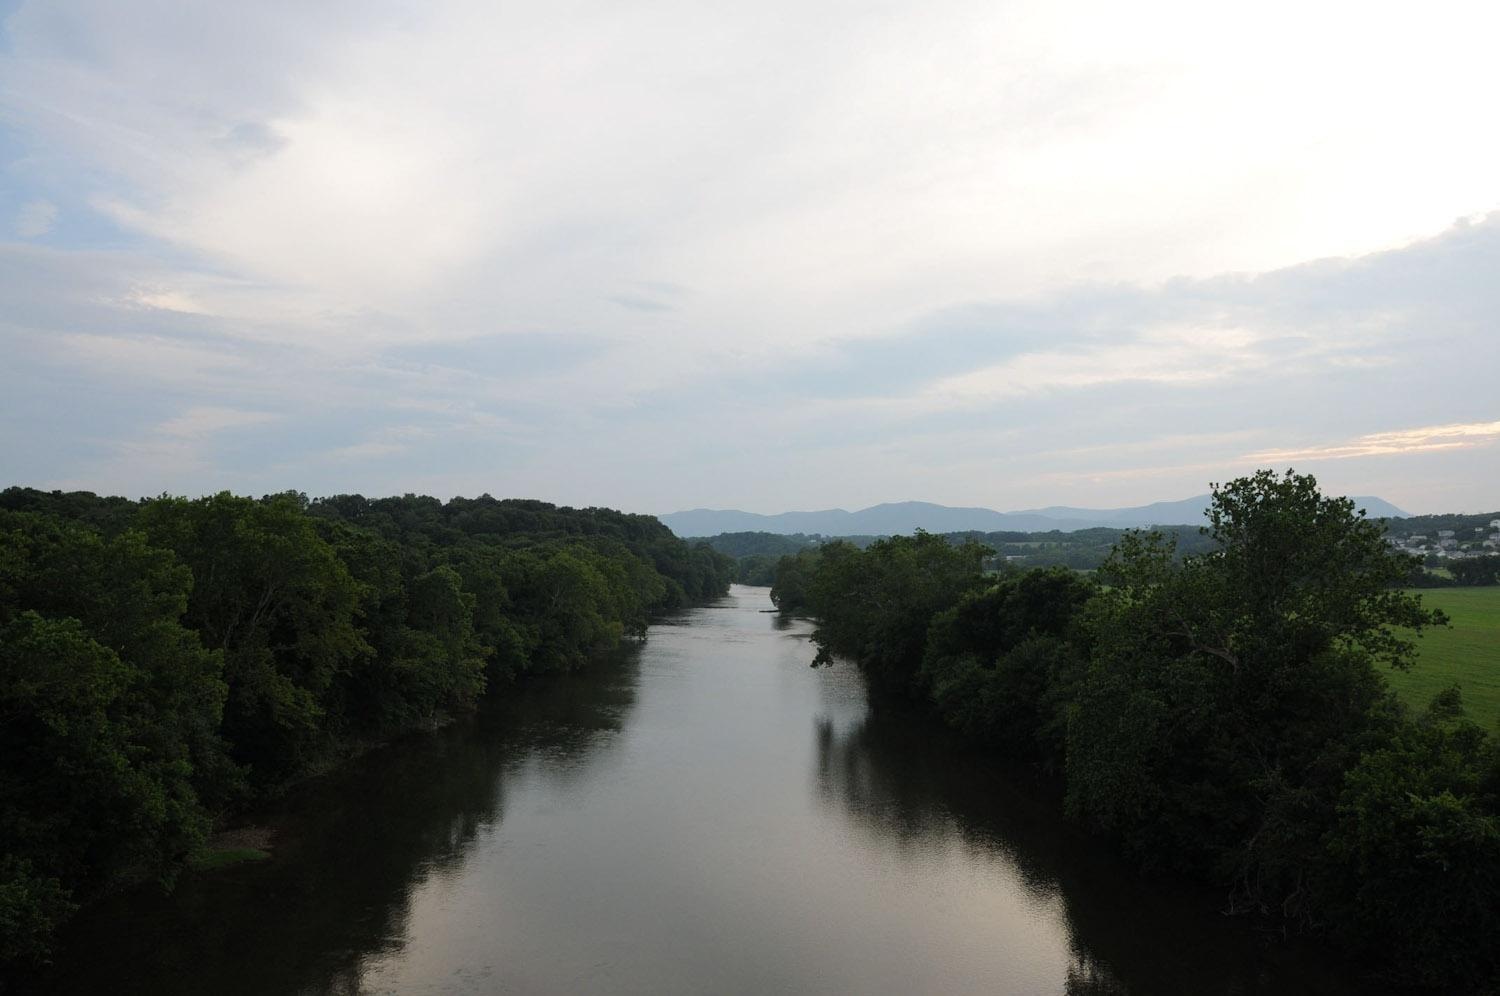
(1466, 654)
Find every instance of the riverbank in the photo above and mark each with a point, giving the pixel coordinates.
(706, 814)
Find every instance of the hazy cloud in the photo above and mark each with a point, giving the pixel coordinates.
(35, 219)
(639, 302)
(782, 254)
(1426, 439)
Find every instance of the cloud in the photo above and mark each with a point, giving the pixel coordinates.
(390, 441)
(816, 189)
(672, 254)
(170, 454)
(166, 299)
(639, 302)
(1097, 394)
(1398, 443)
(1164, 357)
(203, 421)
(35, 219)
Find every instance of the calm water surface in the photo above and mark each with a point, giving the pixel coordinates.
(709, 815)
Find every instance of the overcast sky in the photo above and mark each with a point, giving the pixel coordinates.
(764, 256)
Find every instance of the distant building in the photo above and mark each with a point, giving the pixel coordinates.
(1445, 534)
(1448, 544)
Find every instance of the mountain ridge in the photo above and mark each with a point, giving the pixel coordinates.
(891, 518)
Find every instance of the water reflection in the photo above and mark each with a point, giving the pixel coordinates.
(905, 782)
(353, 850)
(652, 828)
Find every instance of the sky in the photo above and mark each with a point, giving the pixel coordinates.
(770, 256)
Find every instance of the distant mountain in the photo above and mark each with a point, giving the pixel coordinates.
(904, 517)
(1189, 511)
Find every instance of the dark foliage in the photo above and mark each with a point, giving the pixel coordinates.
(1221, 713)
(998, 665)
(164, 661)
(756, 544)
(1464, 526)
(874, 605)
(757, 553)
(1476, 571)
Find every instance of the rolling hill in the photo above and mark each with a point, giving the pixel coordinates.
(903, 517)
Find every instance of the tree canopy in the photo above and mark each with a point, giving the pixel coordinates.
(165, 661)
(1221, 712)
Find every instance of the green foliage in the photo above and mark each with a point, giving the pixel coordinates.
(84, 799)
(1420, 577)
(109, 716)
(107, 516)
(760, 544)
(874, 605)
(131, 597)
(1000, 664)
(431, 662)
(1414, 854)
(565, 600)
(1465, 527)
(757, 569)
(31, 910)
(756, 554)
(1220, 680)
(275, 599)
(1476, 571)
(163, 661)
(791, 587)
(1080, 549)
(1221, 712)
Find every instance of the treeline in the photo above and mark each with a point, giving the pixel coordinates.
(1464, 526)
(1464, 573)
(756, 544)
(758, 554)
(1080, 549)
(1220, 715)
(163, 662)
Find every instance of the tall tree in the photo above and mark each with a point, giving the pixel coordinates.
(875, 604)
(1243, 675)
(109, 713)
(275, 599)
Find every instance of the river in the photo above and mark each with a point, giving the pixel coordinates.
(707, 814)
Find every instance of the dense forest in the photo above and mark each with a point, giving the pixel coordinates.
(1465, 525)
(164, 663)
(1220, 715)
(757, 554)
(1449, 573)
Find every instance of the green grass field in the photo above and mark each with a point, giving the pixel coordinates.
(1466, 654)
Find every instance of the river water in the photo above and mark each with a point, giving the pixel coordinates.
(706, 814)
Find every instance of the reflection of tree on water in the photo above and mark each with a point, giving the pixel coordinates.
(913, 786)
(355, 847)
